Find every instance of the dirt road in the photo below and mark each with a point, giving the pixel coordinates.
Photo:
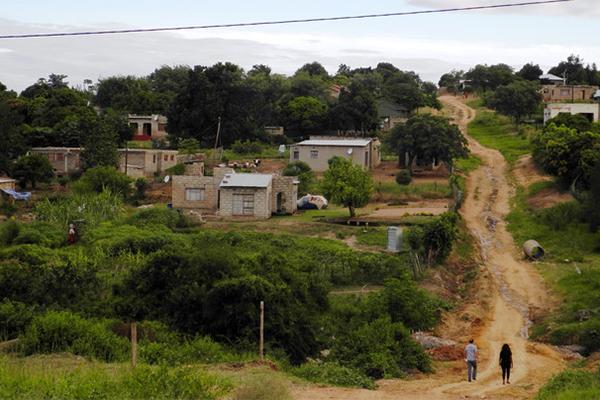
(516, 292)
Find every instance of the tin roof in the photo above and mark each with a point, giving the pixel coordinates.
(550, 77)
(336, 142)
(246, 180)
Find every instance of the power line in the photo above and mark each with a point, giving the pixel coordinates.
(282, 22)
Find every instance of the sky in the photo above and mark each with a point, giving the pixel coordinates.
(427, 44)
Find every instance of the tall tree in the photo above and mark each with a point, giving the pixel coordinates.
(347, 184)
(576, 73)
(33, 169)
(428, 137)
(530, 72)
(99, 143)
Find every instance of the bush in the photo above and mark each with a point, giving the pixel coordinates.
(434, 240)
(380, 349)
(304, 173)
(247, 147)
(177, 169)
(586, 334)
(67, 332)
(332, 373)
(202, 349)
(14, 318)
(403, 177)
(141, 184)
(100, 179)
(572, 385)
(172, 219)
(562, 215)
(33, 169)
(9, 231)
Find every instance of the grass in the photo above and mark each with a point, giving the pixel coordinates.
(65, 377)
(469, 164)
(498, 132)
(375, 236)
(391, 191)
(572, 385)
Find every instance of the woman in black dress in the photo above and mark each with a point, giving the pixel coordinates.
(506, 363)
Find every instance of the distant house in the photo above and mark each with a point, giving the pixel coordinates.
(274, 130)
(391, 114)
(590, 110)
(148, 127)
(231, 195)
(140, 162)
(316, 152)
(551, 79)
(64, 160)
(568, 93)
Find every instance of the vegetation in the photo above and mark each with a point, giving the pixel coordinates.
(572, 385)
(403, 177)
(32, 169)
(304, 173)
(428, 138)
(517, 99)
(100, 179)
(347, 184)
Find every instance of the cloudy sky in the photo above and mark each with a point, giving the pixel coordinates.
(427, 44)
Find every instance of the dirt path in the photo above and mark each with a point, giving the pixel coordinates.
(517, 294)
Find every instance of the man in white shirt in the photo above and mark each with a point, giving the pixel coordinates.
(471, 359)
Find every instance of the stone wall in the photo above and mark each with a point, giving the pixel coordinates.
(289, 193)
(182, 182)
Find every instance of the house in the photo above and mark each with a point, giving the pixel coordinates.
(140, 162)
(7, 184)
(552, 79)
(274, 130)
(316, 152)
(229, 194)
(589, 110)
(560, 93)
(148, 127)
(146, 162)
(391, 114)
(64, 160)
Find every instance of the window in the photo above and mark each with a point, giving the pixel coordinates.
(314, 154)
(162, 127)
(154, 158)
(243, 204)
(166, 157)
(172, 157)
(296, 155)
(194, 194)
(565, 92)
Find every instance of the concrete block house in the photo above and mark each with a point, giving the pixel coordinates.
(317, 151)
(148, 127)
(236, 195)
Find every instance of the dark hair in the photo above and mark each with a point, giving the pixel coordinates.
(470, 340)
(505, 350)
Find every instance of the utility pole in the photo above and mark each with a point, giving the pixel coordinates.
(133, 344)
(261, 344)
(218, 134)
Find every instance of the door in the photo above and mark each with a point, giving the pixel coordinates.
(238, 204)
(279, 207)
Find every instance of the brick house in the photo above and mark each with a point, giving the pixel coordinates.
(148, 127)
(568, 93)
(140, 162)
(229, 194)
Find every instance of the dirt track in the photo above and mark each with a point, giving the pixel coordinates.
(517, 292)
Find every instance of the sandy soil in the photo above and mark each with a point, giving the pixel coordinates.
(527, 173)
(514, 293)
(548, 198)
(387, 170)
(433, 207)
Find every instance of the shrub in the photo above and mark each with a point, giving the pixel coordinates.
(247, 147)
(332, 373)
(42, 234)
(14, 318)
(586, 333)
(91, 208)
(304, 173)
(64, 331)
(562, 215)
(380, 349)
(33, 169)
(160, 216)
(100, 179)
(9, 231)
(141, 184)
(572, 385)
(201, 349)
(177, 169)
(403, 177)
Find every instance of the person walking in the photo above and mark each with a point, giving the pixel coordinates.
(506, 363)
(471, 359)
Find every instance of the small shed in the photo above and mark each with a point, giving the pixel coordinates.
(246, 195)
(394, 239)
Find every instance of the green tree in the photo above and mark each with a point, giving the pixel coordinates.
(33, 169)
(188, 146)
(428, 137)
(451, 81)
(347, 184)
(305, 113)
(100, 143)
(575, 72)
(314, 69)
(530, 72)
(305, 175)
(484, 77)
(99, 179)
(516, 99)
(12, 140)
(574, 121)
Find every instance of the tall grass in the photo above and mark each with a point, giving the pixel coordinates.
(27, 381)
(572, 385)
(92, 208)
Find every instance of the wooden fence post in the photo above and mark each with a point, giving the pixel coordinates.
(133, 344)
(261, 344)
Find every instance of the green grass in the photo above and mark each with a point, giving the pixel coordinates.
(572, 385)
(375, 236)
(430, 190)
(498, 132)
(135, 144)
(468, 164)
(65, 378)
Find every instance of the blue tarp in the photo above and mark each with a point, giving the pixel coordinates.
(17, 195)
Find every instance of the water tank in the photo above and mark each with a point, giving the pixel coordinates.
(394, 239)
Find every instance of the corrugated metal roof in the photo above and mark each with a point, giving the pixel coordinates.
(335, 142)
(550, 77)
(246, 180)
